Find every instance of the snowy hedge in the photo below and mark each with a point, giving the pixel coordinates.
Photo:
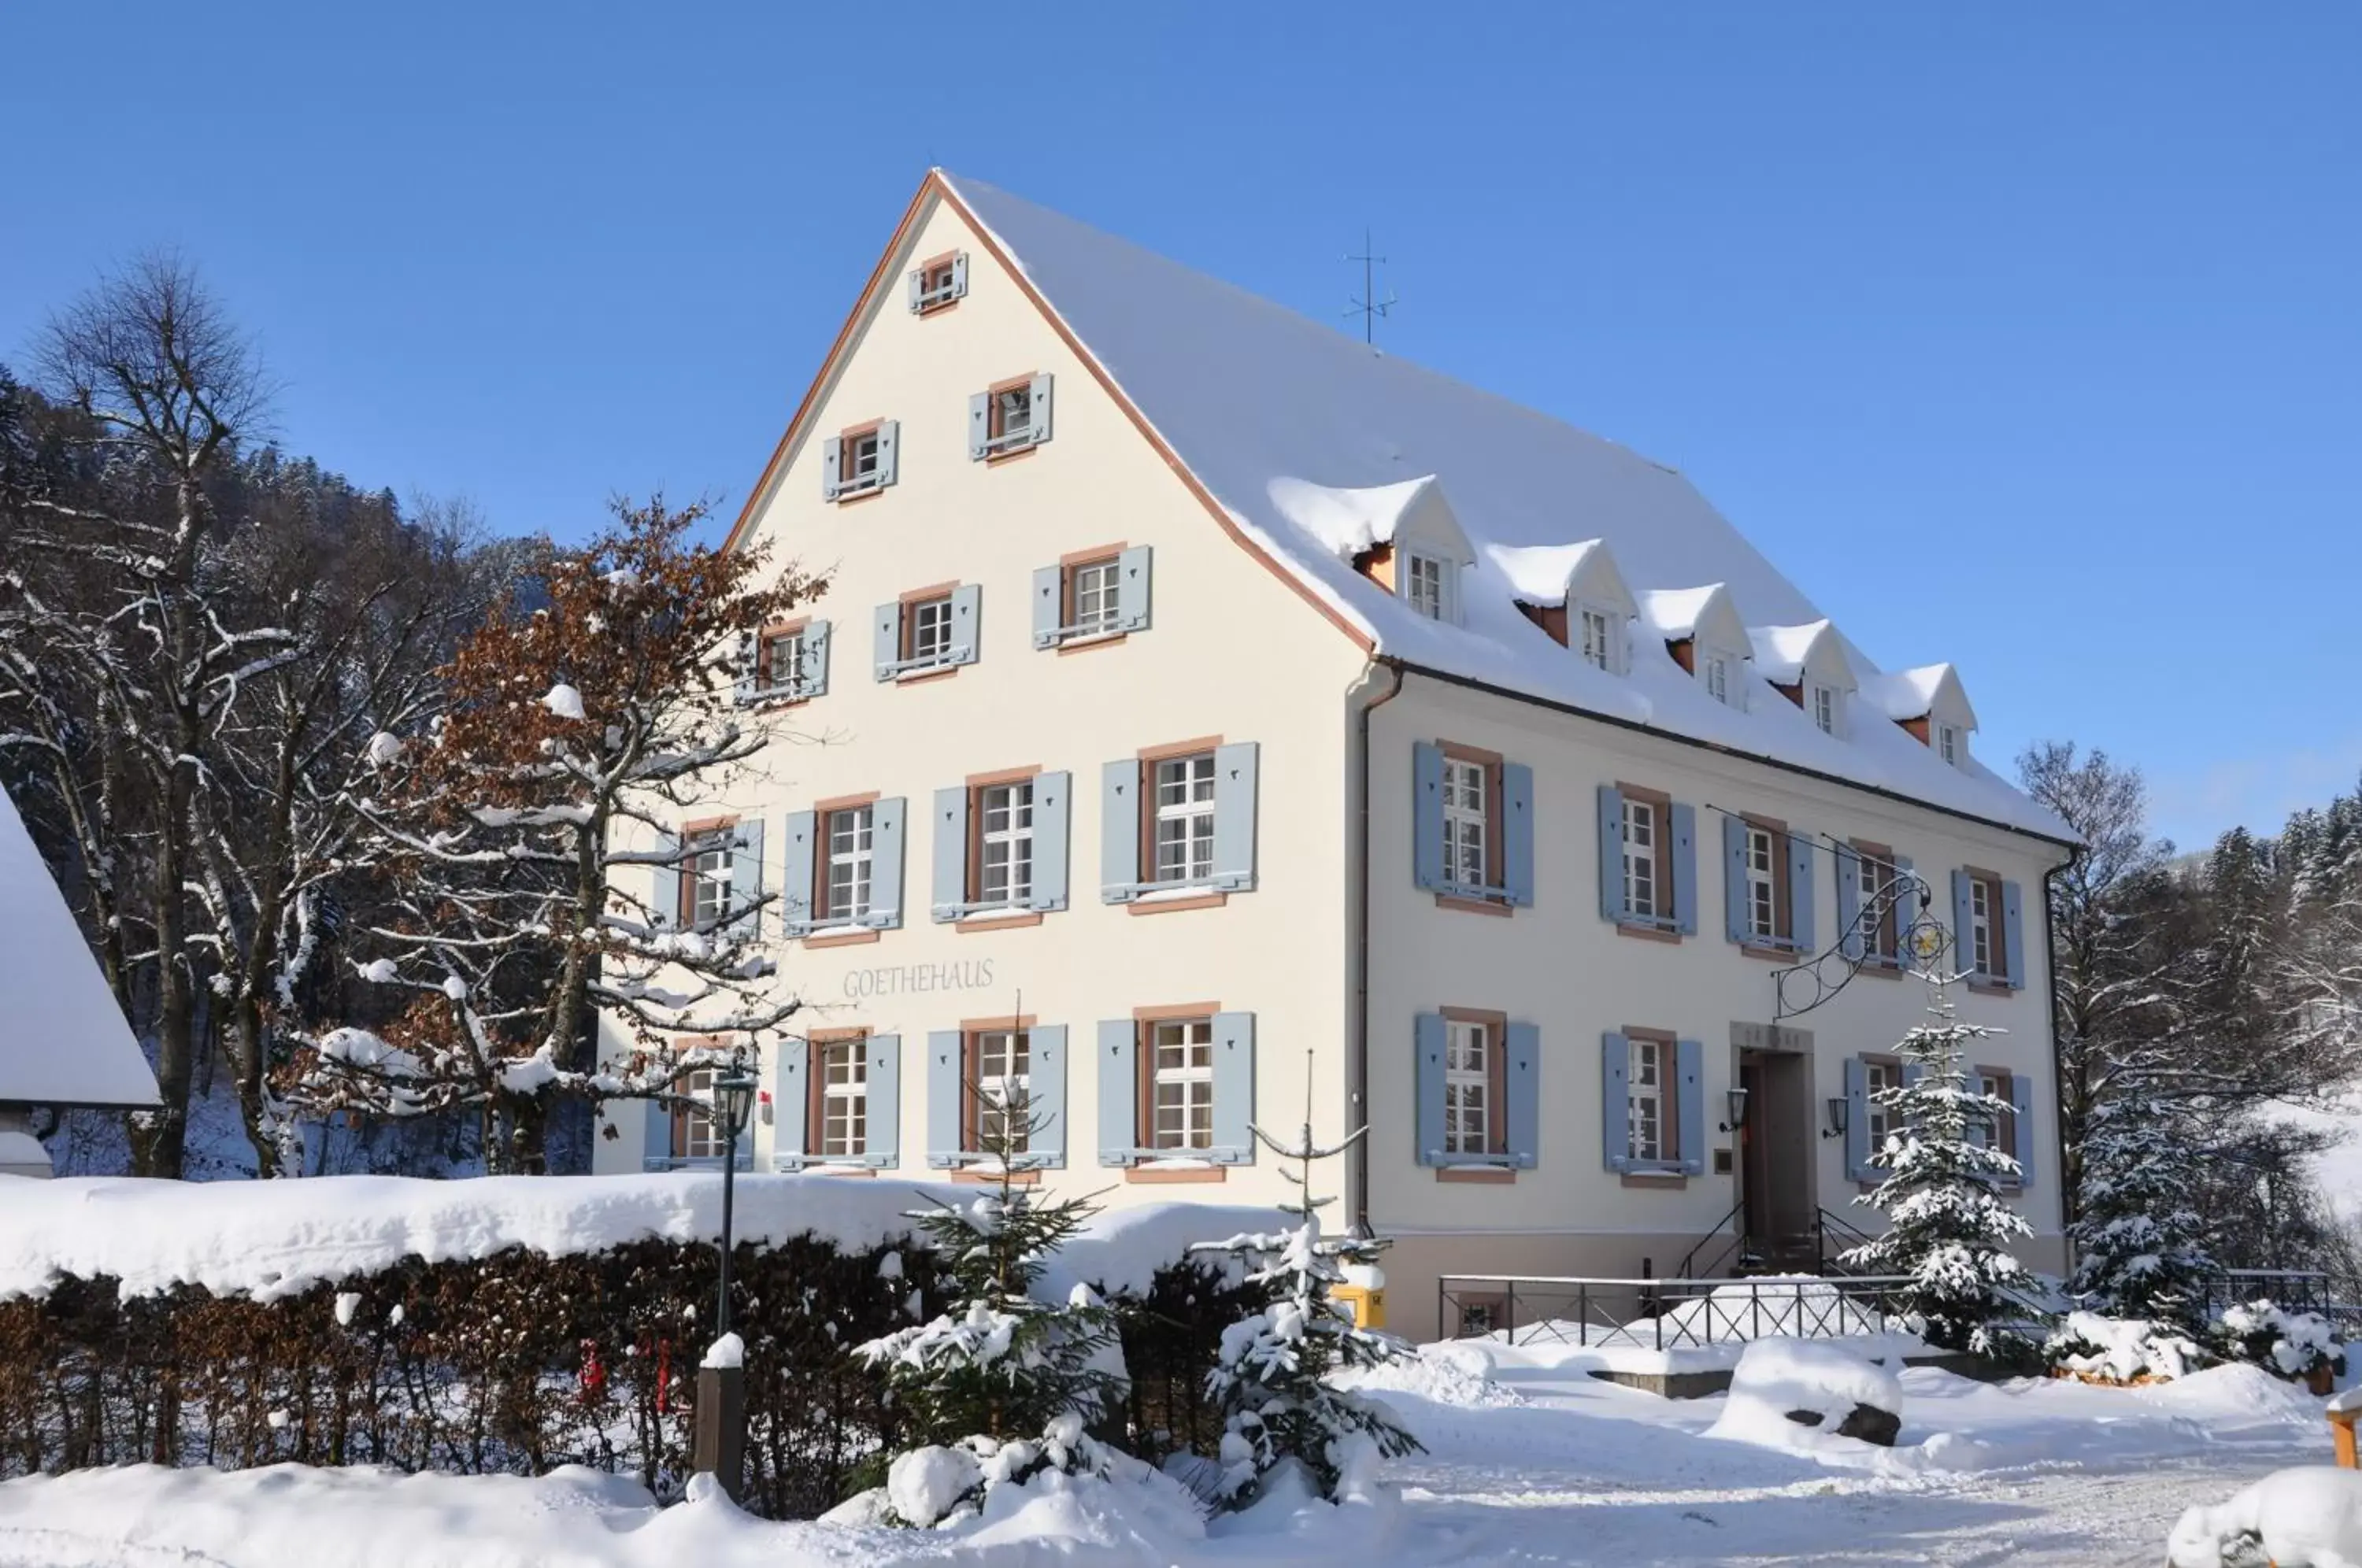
(517, 1324)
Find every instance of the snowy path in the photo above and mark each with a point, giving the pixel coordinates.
(1545, 1465)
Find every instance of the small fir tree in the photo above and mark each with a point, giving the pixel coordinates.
(1000, 1386)
(1270, 1378)
(1948, 1230)
(2139, 1247)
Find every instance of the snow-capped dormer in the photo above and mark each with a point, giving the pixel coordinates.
(1702, 630)
(1402, 536)
(1807, 665)
(1576, 593)
(1931, 703)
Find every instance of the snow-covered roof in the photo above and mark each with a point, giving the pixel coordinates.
(1783, 653)
(1705, 613)
(63, 1038)
(1269, 410)
(1553, 575)
(1931, 688)
(1349, 522)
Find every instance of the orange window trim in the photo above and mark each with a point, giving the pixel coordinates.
(1496, 1071)
(817, 1043)
(1662, 804)
(934, 187)
(1783, 924)
(1669, 1088)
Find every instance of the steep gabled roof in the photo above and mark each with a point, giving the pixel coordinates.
(1554, 575)
(1349, 522)
(1928, 689)
(1705, 613)
(1256, 409)
(1785, 654)
(63, 1039)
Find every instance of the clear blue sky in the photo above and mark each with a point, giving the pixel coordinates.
(2023, 336)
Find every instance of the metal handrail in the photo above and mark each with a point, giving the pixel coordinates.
(1738, 1239)
(1805, 1306)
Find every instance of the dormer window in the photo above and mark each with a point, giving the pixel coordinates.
(1598, 631)
(1426, 585)
(1716, 676)
(1947, 743)
(1827, 714)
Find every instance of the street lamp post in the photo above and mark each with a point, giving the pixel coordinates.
(721, 1437)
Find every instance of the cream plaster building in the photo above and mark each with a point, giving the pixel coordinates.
(1218, 712)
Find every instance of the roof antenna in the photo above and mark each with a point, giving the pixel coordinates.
(1369, 307)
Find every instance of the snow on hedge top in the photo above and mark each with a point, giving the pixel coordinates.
(273, 1239)
(63, 1039)
(1315, 444)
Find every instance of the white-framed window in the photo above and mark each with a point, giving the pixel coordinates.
(1467, 1088)
(1647, 1117)
(1005, 843)
(845, 1098)
(1598, 633)
(1716, 676)
(1879, 1076)
(929, 627)
(1876, 875)
(697, 1132)
(1993, 1130)
(1182, 1083)
(1762, 883)
(1093, 585)
(1981, 950)
(859, 461)
(1185, 818)
(783, 660)
(1825, 708)
(938, 283)
(1002, 1063)
(1467, 800)
(1947, 743)
(1426, 585)
(851, 835)
(1642, 896)
(705, 879)
(1012, 412)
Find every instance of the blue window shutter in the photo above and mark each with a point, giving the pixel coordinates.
(1119, 1076)
(1964, 947)
(1518, 832)
(746, 879)
(1685, 825)
(1611, 852)
(1045, 1091)
(1040, 401)
(787, 1141)
(979, 425)
(742, 688)
(1234, 1085)
(1049, 600)
(2021, 1099)
(1427, 814)
(918, 287)
(1616, 1101)
(1736, 921)
(1427, 1121)
(883, 1145)
(946, 1097)
(1849, 901)
(663, 884)
(950, 855)
(959, 276)
(816, 659)
(890, 444)
(1120, 832)
(885, 865)
(1689, 1105)
(886, 639)
(1234, 822)
(832, 463)
(796, 874)
(1857, 1136)
(968, 622)
(2012, 937)
(1800, 892)
(655, 1137)
(1053, 798)
(1524, 1088)
(1131, 589)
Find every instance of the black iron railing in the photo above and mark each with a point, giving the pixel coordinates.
(1662, 1314)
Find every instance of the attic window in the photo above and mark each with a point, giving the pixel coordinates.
(1826, 709)
(1426, 585)
(939, 283)
(1598, 638)
(1008, 417)
(1715, 672)
(1947, 743)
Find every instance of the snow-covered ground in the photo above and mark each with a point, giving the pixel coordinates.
(1529, 1460)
